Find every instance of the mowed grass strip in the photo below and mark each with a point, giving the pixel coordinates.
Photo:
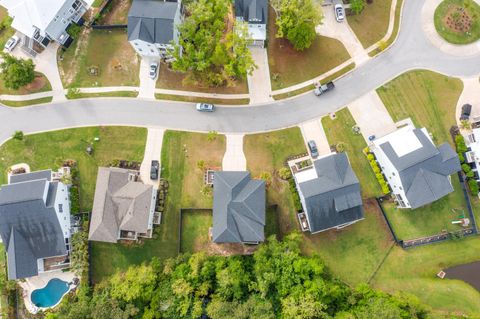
(428, 98)
(39, 101)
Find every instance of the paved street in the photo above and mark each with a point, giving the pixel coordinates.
(412, 50)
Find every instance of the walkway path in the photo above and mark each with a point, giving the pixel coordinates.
(313, 131)
(153, 150)
(470, 95)
(259, 84)
(234, 158)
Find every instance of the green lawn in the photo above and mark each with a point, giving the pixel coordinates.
(108, 51)
(39, 84)
(194, 99)
(289, 67)
(454, 27)
(105, 94)
(427, 97)
(195, 226)
(371, 25)
(431, 219)
(338, 131)
(39, 101)
(49, 150)
(180, 153)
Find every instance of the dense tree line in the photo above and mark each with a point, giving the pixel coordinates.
(276, 282)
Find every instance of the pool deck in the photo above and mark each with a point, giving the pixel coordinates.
(40, 281)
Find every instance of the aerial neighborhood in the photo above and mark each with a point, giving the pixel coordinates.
(239, 159)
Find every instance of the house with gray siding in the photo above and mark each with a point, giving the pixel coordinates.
(238, 208)
(35, 224)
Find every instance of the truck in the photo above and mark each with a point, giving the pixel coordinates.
(323, 88)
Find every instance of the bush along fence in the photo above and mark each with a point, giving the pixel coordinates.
(466, 168)
(376, 169)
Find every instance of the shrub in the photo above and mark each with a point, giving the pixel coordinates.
(73, 93)
(201, 165)
(296, 198)
(461, 158)
(74, 200)
(284, 173)
(370, 157)
(18, 135)
(385, 189)
(357, 6)
(460, 142)
(267, 177)
(379, 176)
(466, 168)
(473, 186)
(74, 30)
(382, 45)
(366, 151)
(340, 147)
(376, 169)
(470, 174)
(212, 135)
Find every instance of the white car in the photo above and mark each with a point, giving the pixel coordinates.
(153, 70)
(11, 43)
(339, 12)
(205, 107)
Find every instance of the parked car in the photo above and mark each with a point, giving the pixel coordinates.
(154, 170)
(323, 88)
(371, 138)
(466, 111)
(313, 148)
(205, 107)
(11, 43)
(339, 12)
(153, 70)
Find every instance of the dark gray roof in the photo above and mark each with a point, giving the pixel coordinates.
(333, 198)
(152, 21)
(29, 226)
(238, 208)
(252, 11)
(46, 174)
(424, 172)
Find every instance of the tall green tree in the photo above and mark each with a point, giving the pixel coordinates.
(296, 21)
(16, 72)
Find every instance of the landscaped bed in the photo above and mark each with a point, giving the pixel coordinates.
(458, 21)
(289, 67)
(39, 84)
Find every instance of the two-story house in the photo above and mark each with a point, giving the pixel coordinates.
(255, 14)
(417, 171)
(35, 224)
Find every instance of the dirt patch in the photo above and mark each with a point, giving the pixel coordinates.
(68, 73)
(230, 249)
(457, 19)
(38, 83)
(116, 13)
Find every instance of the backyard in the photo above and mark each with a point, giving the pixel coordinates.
(289, 67)
(181, 152)
(428, 98)
(39, 84)
(116, 12)
(99, 58)
(371, 25)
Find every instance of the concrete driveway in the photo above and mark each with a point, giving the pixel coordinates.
(371, 116)
(313, 130)
(153, 151)
(259, 85)
(234, 158)
(470, 95)
(147, 84)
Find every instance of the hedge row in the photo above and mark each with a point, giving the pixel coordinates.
(461, 150)
(377, 171)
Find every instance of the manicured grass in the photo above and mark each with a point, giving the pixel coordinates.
(371, 25)
(428, 98)
(51, 149)
(289, 67)
(448, 14)
(393, 36)
(180, 153)
(171, 80)
(42, 100)
(431, 219)
(195, 226)
(340, 130)
(194, 99)
(107, 50)
(106, 94)
(39, 84)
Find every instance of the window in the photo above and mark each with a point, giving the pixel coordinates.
(60, 208)
(77, 4)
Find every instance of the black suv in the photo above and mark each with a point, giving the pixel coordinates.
(154, 170)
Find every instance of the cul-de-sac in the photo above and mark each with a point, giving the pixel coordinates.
(236, 159)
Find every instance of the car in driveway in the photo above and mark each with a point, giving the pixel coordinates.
(339, 12)
(154, 170)
(153, 70)
(205, 107)
(11, 43)
(466, 111)
(312, 146)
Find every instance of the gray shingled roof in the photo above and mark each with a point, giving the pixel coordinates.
(119, 204)
(333, 198)
(152, 21)
(45, 174)
(424, 172)
(252, 11)
(238, 208)
(29, 226)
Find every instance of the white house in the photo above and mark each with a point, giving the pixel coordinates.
(417, 171)
(152, 26)
(472, 156)
(255, 13)
(42, 21)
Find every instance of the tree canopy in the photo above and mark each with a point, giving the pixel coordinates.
(296, 21)
(209, 50)
(276, 282)
(16, 72)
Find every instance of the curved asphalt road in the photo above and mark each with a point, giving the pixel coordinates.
(412, 50)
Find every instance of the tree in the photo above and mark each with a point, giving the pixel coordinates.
(79, 254)
(296, 21)
(18, 135)
(357, 6)
(16, 72)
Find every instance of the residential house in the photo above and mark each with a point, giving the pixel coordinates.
(153, 27)
(42, 21)
(123, 207)
(255, 14)
(329, 192)
(472, 156)
(238, 208)
(35, 224)
(417, 171)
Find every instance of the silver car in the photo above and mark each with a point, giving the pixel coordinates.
(11, 43)
(205, 107)
(339, 12)
(153, 70)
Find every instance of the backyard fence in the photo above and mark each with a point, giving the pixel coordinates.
(108, 26)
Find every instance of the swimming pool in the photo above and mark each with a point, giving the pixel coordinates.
(51, 294)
